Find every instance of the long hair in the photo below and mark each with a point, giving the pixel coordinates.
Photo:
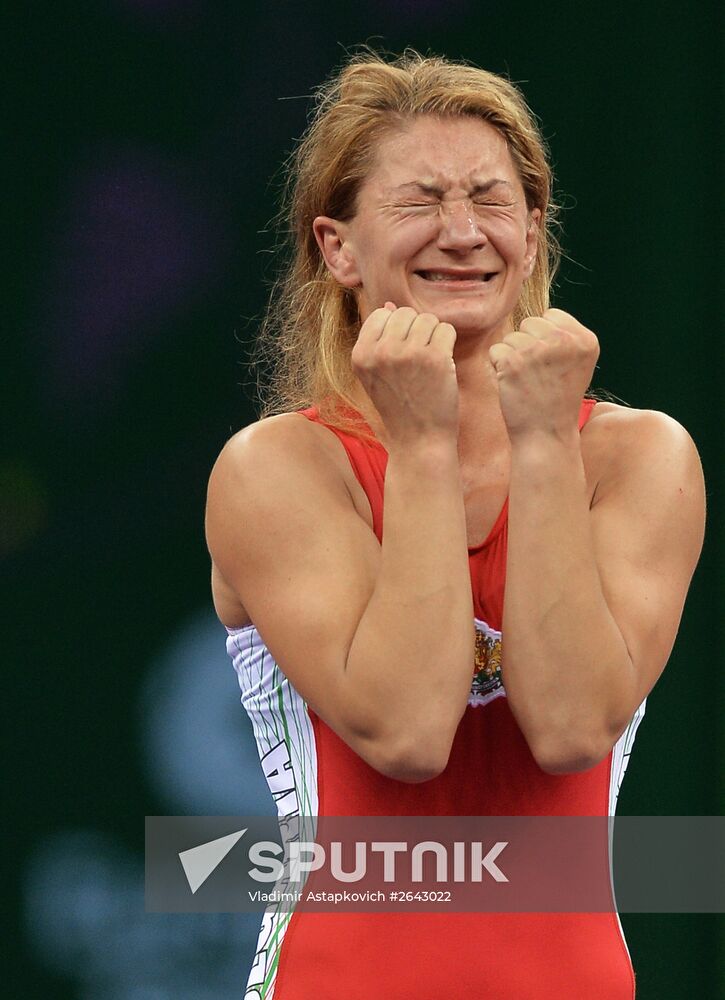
(312, 322)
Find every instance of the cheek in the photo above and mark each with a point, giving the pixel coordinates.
(398, 252)
(414, 237)
(511, 242)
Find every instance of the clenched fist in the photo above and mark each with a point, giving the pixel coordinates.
(544, 368)
(404, 360)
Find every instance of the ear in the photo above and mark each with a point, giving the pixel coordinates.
(532, 241)
(331, 237)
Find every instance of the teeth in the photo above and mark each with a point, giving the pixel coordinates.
(437, 276)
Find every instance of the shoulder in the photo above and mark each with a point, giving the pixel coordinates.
(276, 448)
(646, 463)
(620, 440)
(627, 423)
(272, 469)
(267, 438)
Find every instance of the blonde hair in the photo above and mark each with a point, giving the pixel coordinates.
(312, 322)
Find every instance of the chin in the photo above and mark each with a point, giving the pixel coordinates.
(470, 320)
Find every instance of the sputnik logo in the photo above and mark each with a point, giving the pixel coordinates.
(199, 862)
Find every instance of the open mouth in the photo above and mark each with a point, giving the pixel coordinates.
(467, 277)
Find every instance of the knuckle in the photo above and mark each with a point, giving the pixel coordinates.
(376, 318)
(589, 344)
(515, 340)
(382, 354)
(432, 359)
(361, 360)
(389, 353)
(445, 334)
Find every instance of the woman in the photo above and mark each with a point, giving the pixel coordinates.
(414, 318)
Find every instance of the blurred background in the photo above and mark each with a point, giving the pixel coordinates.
(146, 139)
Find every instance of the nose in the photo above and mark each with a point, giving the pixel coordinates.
(460, 229)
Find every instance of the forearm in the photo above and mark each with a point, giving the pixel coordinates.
(410, 662)
(565, 662)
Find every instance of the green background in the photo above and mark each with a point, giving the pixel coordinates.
(143, 140)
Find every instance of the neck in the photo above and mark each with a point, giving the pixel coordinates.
(481, 425)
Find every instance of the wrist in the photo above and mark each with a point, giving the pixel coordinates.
(546, 449)
(535, 439)
(426, 460)
(424, 448)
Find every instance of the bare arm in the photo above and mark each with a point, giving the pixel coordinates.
(379, 641)
(594, 597)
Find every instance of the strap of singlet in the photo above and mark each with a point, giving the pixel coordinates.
(369, 460)
(585, 411)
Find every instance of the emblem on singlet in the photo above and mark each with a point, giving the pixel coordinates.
(487, 682)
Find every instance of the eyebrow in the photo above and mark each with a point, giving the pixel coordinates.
(439, 192)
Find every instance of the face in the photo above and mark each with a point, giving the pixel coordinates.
(441, 225)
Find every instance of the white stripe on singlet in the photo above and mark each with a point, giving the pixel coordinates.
(288, 754)
(620, 759)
